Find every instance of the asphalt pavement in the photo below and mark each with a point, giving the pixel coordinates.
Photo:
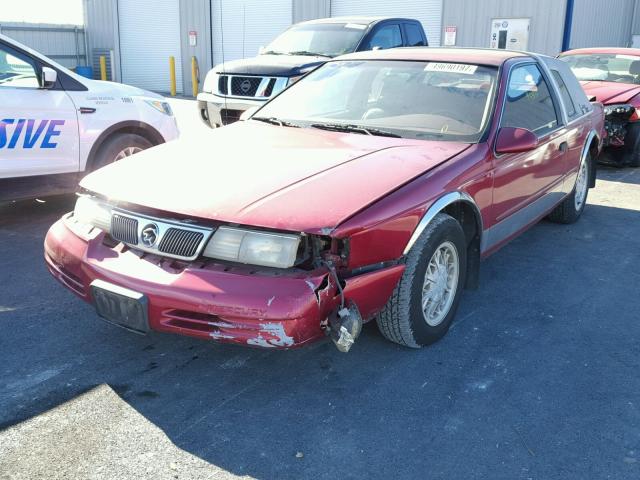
(537, 379)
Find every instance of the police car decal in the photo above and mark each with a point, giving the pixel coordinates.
(11, 130)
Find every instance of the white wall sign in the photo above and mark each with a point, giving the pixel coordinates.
(450, 36)
(193, 38)
(510, 33)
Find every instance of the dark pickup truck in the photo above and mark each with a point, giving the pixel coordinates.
(233, 87)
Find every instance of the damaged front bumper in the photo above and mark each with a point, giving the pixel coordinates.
(238, 305)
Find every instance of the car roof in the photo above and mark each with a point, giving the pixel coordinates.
(479, 56)
(366, 20)
(609, 50)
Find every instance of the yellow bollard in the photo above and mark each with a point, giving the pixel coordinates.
(103, 67)
(172, 74)
(194, 76)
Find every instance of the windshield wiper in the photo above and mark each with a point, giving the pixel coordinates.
(275, 121)
(341, 127)
(309, 54)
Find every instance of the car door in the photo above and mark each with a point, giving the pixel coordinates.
(38, 127)
(383, 36)
(528, 184)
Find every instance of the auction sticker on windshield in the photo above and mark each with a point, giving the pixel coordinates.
(451, 68)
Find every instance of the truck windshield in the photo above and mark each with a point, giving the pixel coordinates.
(605, 67)
(420, 100)
(325, 39)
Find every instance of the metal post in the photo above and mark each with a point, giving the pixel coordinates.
(568, 25)
(194, 76)
(172, 75)
(103, 67)
(75, 36)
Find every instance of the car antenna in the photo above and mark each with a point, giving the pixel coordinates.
(223, 67)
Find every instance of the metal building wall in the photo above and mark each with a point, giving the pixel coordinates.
(101, 23)
(195, 16)
(473, 19)
(595, 26)
(64, 44)
(310, 9)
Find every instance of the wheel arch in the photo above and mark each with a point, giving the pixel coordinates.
(134, 127)
(591, 146)
(461, 206)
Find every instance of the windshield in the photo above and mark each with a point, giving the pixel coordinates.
(326, 39)
(605, 67)
(420, 100)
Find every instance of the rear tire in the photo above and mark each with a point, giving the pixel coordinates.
(426, 298)
(119, 146)
(571, 208)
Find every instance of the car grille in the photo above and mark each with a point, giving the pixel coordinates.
(182, 243)
(174, 239)
(124, 229)
(250, 86)
(229, 115)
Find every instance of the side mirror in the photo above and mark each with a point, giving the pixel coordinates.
(377, 47)
(515, 140)
(247, 114)
(48, 78)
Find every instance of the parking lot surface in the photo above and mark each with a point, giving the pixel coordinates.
(538, 377)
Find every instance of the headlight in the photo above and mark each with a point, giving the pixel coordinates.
(210, 84)
(293, 80)
(252, 247)
(162, 107)
(90, 211)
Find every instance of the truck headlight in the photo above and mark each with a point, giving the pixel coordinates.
(162, 107)
(252, 247)
(92, 212)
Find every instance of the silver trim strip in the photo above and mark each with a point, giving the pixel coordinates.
(163, 227)
(439, 205)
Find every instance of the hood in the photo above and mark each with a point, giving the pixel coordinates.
(113, 88)
(272, 65)
(610, 93)
(295, 179)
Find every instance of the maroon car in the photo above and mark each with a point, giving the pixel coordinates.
(612, 77)
(370, 189)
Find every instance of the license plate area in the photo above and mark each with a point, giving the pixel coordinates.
(121, 306)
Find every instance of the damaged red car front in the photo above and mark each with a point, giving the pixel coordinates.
(371, 188)
(612, 76)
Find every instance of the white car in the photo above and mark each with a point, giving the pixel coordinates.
(55, 124)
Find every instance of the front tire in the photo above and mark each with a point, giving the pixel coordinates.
(571, 208)
(424, 302)
(119, 147)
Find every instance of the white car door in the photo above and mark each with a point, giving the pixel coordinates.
(38, 127)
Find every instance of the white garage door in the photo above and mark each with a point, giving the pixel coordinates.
(243, 26)
(149, 35)
(429, 12)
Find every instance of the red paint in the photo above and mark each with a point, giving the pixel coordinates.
(370, 191)
(516, 140)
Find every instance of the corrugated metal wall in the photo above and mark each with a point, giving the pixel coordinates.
(101, 21)
(473, 19)
(64, 44)
(594, 27)
(310, 9)
(195, 16)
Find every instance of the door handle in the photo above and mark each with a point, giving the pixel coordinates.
(84, 110)
(564, 146)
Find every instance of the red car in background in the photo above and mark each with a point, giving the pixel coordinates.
(612, 76)
(369, 189)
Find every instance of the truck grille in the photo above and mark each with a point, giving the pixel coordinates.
(250, 86)
(181, 243)
(124, 229)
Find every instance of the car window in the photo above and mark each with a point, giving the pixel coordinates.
(414, 35)
(388, 36)
(528, 102)
(605, 66)
(16, 70)
(566, 96)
